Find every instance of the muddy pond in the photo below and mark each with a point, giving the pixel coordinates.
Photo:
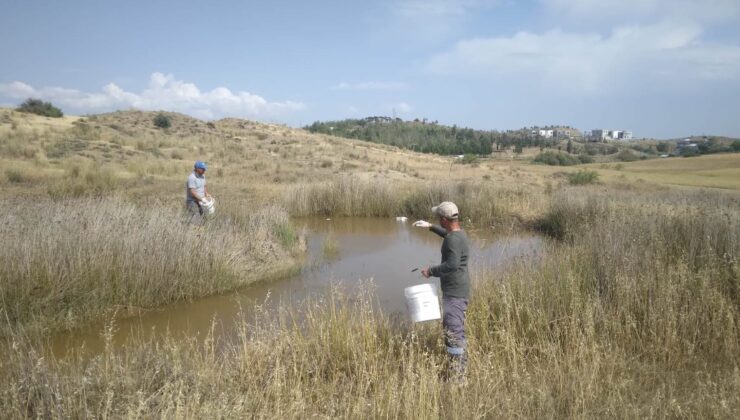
(349, 253)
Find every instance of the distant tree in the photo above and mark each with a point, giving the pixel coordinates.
(569, 148)
(518, 149)
(162, 121)
(736, 146)
(662, 147)
(39, 107)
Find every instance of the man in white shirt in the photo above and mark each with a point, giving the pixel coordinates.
(196, 192)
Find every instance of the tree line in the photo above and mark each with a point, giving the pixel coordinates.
(430, 137)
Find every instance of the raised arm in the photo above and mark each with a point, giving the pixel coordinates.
(439, 230)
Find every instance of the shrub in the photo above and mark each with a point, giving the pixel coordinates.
(625, 155)
(39, 107)
(468, 158)
(583, 177)
(585, 159)
(556, 159)
(162, 121)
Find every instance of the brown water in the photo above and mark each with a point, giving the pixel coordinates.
(379, 250)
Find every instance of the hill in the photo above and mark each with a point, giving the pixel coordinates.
(125, 150)
(430, 137)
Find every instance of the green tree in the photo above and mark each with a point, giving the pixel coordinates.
(39, 107)
(162, 121)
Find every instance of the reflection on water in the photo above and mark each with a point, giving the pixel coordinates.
(381, 250)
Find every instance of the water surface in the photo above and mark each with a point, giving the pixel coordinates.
(379, 251)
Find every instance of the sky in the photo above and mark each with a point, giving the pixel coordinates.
(659, 68)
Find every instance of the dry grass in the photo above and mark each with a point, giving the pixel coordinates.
(481, 203)
(604, 327)
(717, 171)
(633, 313)
(70, 261)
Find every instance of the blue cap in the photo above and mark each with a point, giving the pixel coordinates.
(199, 164)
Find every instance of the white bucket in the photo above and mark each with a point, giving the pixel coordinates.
(208, 205)
(422, 302)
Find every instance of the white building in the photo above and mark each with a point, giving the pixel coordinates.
(546, 133)
(601, 134)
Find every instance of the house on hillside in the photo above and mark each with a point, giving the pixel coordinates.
(600, 134)
(685, 146)
(546, 133)
(566, 133)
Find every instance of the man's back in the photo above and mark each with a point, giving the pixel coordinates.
(453, 271)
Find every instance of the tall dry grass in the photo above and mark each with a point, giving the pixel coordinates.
(634, 315)
(67, 261)
(480, 203)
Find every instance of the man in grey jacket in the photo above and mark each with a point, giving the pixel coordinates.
(454, 279)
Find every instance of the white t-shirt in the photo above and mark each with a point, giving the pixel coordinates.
(198, 182)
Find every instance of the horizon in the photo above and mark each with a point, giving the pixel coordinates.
(583, 132)
(661, 69)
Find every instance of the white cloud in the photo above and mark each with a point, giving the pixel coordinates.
(691, 9)
(426, 22)
(670, 51)
(372, 85)
(164, 92)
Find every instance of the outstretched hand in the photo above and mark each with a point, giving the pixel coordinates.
(422, 224)
(425, 273)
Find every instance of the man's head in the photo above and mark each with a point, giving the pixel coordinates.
(448, 214)
(200, 167)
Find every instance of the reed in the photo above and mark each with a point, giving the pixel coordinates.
(68, 261)
(480, 203)
(634, 314)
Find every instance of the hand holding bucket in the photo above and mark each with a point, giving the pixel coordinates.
(209, 205)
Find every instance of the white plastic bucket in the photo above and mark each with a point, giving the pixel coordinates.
(208, 205)
(422, 302)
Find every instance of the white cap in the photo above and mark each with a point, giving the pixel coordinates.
(446, 209)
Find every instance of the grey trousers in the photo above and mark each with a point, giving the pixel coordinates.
(453, 323)
(194, 213)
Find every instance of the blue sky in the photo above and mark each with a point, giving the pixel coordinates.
(661, 68)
